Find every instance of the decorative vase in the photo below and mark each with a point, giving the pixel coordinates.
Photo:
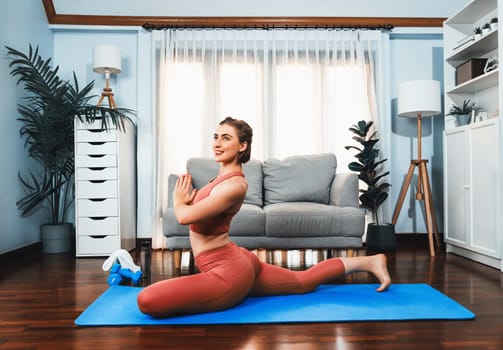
(56, 238)
(381, 237)
(463, 119)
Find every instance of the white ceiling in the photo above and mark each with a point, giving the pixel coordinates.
(294, 8)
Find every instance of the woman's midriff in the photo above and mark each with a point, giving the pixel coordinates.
(201, 243)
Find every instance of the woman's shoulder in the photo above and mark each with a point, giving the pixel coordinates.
(233, 184)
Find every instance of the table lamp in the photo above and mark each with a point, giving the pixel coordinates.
(107, 60)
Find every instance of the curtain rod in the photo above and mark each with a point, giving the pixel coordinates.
(383, 27)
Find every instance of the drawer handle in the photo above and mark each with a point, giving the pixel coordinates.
(97, 199)
(96, 155)
(96, 143)
(98, 236)
(97, 169)
(97, 181)
(97, 218)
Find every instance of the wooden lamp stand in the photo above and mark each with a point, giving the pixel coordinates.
(423, 193)
(107, 93)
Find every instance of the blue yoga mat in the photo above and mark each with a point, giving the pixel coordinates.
(329, 303)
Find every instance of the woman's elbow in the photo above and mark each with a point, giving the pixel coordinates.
(181, 218)
(182, 221)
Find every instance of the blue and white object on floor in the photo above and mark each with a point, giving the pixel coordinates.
(329, 303)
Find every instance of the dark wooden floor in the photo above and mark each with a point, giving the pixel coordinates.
(41, 295)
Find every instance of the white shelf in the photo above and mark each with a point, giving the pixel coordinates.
(481, 82)
(472, 12)
(485, 44)
(472, 206)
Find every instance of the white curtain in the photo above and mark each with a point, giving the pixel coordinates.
(300, 90)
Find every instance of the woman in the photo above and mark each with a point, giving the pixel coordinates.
(229, 273)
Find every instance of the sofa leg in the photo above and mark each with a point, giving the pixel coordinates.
(350, 252)
(177, 257)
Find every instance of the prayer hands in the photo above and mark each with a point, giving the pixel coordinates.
(182, 193)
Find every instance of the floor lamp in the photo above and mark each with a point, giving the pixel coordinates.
(417, 99)
(107, 60)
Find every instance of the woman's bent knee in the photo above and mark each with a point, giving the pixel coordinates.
(149, 304)
(145, 302)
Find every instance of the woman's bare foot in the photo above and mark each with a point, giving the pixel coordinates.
(380, 270)
(375, 264)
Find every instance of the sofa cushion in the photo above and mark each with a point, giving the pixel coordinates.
(205, 169)
(171, 227)
(202, 170)
(255, 178)
(299, 178)
(249, 221)
(301, 219)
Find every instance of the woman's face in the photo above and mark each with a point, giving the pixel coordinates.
(226, 145)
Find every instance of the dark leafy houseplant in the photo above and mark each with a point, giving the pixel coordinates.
(464, 111)
(369, 168)
(466, 108)
(47, 117)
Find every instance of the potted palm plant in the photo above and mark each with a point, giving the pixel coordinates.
(464, 111)
(47, 117)
(379, 236)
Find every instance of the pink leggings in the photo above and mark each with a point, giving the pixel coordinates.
(227, 275)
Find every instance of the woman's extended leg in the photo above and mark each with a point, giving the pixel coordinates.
(275, 280)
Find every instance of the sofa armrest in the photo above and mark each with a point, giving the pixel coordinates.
(171, 187)
(344, 191)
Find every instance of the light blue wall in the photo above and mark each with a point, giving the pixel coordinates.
(413, 57)
(21, 22)
(73, 52)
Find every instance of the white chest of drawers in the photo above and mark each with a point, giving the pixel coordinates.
(105, 189)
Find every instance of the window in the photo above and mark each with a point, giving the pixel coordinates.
(300, 96)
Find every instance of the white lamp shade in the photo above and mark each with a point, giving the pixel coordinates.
(107, 59)
(419, 96)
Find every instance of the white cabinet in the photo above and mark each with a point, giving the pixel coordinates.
(105, 189)
(472, 153)
(472, 183)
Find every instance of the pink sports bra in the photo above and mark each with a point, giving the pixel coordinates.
(221, 222)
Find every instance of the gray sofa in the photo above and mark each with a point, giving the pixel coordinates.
(299, 202)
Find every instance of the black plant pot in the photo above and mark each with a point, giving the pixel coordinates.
(381, 238)
(56, 238)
